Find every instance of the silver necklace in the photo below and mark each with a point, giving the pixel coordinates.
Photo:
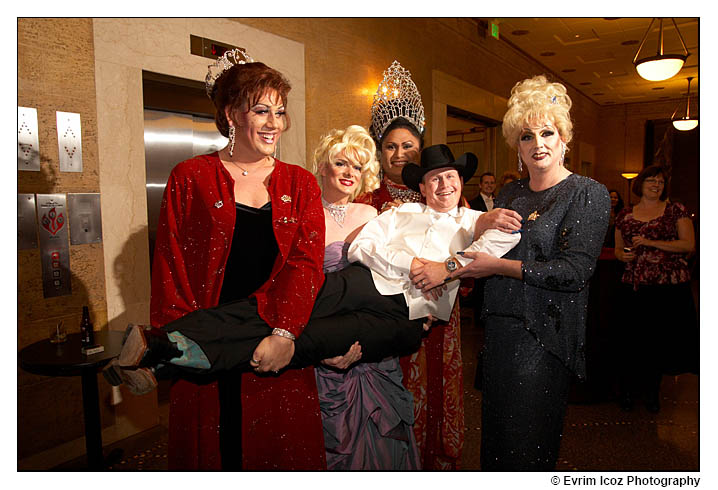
(337, 211)
(245, 172)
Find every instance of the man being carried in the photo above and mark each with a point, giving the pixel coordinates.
(409, 251)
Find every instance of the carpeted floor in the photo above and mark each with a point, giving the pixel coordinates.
(598, 436)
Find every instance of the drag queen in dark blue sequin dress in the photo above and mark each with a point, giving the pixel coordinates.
(536, 298)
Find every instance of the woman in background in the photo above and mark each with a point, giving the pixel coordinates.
(616, 207)
(366, 411)
(660, 334)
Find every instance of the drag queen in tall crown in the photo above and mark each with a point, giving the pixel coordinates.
(433, 374)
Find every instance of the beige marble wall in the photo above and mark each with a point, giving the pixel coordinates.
(56, 73)
(123, 49)
(345, 58)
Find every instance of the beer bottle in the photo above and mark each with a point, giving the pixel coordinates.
(87, 335)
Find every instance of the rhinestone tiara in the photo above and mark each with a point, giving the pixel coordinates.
(396, 96)
(237, 56)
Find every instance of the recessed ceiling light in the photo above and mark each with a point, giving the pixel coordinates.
(547, 53)
(658, 88)
(519, 32)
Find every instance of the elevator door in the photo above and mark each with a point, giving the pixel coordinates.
(170, 138)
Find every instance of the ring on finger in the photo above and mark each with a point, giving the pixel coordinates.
(255, 361)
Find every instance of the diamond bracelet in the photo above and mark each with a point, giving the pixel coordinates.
(284, 333)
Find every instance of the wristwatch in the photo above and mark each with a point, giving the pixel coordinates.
(451, 264)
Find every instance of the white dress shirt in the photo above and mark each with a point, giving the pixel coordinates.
(388, 244)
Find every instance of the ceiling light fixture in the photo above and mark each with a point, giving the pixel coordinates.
(685, 123)
(660, 66)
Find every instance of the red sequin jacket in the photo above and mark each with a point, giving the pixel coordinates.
(194, 237)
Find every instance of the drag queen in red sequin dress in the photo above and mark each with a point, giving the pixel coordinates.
(212, 205)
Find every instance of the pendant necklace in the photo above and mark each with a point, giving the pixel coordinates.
(337, 211)
(245, 172)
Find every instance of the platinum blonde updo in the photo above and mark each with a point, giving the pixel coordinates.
(536, 99)
(355, 143)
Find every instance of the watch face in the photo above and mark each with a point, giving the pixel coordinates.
(451, 265)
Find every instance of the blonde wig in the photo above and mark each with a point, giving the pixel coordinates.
(535, 100)
(354, 143)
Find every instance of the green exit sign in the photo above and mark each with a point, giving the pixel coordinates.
(494, 30)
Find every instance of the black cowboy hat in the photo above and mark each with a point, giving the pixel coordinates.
(435, 157)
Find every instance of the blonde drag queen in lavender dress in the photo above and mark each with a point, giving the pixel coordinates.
(367, 413)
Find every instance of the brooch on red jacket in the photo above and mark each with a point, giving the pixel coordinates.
(287, 220)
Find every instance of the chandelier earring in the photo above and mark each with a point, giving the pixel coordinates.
(518, 154)
(563, 153)
(231, 140)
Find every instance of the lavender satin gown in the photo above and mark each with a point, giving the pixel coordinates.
(366, 411)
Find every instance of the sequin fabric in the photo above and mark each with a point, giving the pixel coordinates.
(652, 265)
(193, 241)
(387, 192)
(559, 250)
(434, 377)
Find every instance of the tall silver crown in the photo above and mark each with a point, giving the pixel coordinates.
(396, 96)
(237, 56)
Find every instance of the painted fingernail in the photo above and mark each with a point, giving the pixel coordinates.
(460, 253)
(448, 278)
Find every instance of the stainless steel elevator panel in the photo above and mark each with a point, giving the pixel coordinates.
(28, 146)
(26, 222)
(69, 141)
(54, 246)
(85, 218)
(205, 137)
(171, 138)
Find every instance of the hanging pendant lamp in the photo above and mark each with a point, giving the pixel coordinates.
(685, 123)
(661, 66)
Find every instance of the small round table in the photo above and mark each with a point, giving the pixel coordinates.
(67, 359)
